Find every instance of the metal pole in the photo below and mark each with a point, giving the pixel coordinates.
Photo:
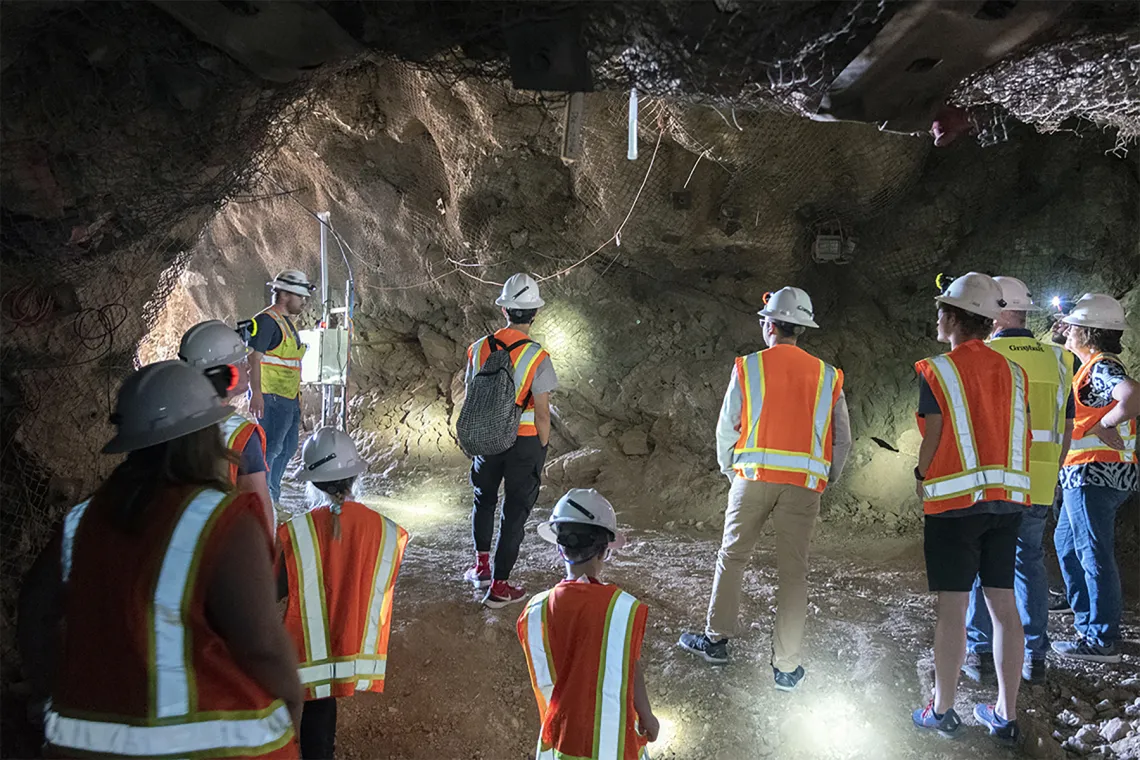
(323, 218)
(349, 305)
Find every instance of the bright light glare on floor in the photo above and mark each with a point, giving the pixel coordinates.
(429, 505)
(830, 726)
(668, 738)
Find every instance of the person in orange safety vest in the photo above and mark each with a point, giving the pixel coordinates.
(153, 605)
(1099, 475)
(339, 564)
(221, 355)
(518, 469)
(582, 641)
(974, 483)
(782, 436)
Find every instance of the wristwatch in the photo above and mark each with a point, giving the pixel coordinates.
(918, 475)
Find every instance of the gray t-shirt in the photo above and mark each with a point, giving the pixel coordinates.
(545, 379)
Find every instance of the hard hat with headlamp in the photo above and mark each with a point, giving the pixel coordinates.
(1097, 310)
(974, 292)
(292, 281)
(789, 305)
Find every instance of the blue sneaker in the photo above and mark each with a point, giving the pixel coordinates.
(1003, 731)
(946, 724)
(1081, 649)
(788, 681)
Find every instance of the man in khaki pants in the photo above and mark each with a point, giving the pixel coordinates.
(783, 434)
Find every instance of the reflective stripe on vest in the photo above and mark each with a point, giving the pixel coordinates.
(263, 729)
(277, 361)
(1093, 443)
(813, 464)
(171, 667)
(70, 526)
(540, 663)
(974, 478)
(613, 673)
(319, 670)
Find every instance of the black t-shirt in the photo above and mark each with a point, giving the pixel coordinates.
(268, 336)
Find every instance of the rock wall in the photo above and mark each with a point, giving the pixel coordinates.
(440, 191)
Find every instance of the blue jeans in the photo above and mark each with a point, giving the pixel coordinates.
(1085, 539)
(282, 424)
(1030, 589)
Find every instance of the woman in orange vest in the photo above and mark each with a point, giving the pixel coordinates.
(222, 356)
(153, 606)
(973, 480)
(339, 564)
(1099, 474)
(582, 641)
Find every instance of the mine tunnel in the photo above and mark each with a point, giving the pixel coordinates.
(664, 175)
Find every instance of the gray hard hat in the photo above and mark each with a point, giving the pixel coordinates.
(161, 402)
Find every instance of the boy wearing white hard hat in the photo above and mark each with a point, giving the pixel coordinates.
(514, 463)
(275, 372)
(1099, 474)
(974, 484)
(782, 436)
(1050, 371)
(583, 638)
(338, 569)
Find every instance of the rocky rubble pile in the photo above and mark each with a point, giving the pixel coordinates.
(1096, 716)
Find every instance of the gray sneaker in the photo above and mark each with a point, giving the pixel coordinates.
(1034, 669)
(979, 667)
(715, 652)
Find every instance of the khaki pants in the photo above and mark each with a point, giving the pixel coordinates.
(793, 510)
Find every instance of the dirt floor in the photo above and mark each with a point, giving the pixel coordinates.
(458, 684)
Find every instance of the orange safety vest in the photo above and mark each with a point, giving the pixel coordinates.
(340, 597)
(141, 671)
(788, 397)
(236, 431)
(281, 366)
(1092, 449)
(525, 359)
(982, 453)
(582, 640)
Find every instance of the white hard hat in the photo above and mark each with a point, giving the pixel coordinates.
(1016, 295)
(976, 293)
(584, 506)
(161, 402)
(1097, 310)
(211, 344)
(328, 455)
(790, 305)
(292, 281)
(520, 292)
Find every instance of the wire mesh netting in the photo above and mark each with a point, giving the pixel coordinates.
(122, 135)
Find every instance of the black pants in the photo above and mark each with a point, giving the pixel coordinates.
(519, 469)
(318, 729)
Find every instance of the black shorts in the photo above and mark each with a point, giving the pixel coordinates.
(958, 549)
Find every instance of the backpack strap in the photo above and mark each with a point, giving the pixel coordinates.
(519, 344)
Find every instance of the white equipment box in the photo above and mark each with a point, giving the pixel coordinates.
(326, 359)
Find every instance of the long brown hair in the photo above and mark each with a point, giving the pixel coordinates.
(199, 459)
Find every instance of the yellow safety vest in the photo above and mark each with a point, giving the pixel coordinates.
(281, 366)
(1050, 371)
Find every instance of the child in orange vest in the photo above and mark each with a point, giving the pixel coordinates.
(582, 641)
(339, 566)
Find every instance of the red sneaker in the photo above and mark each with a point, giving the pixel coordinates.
(478, 576)
(502, 593)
